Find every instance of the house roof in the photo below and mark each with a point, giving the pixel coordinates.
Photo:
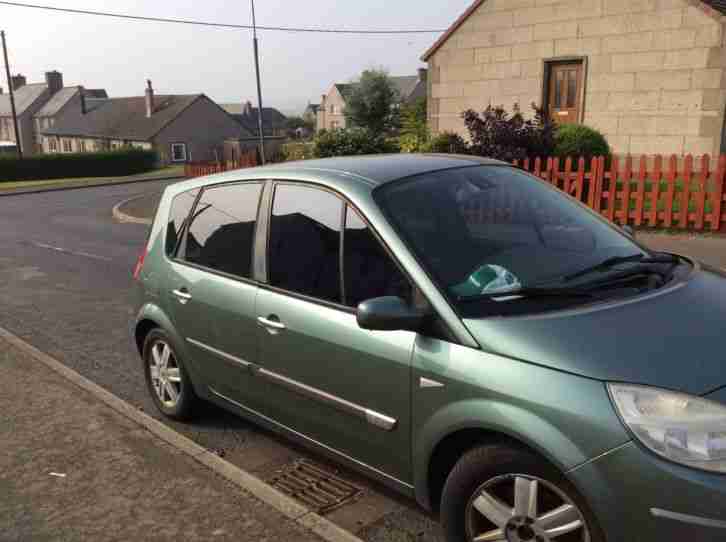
(312, 108)
(271, 117)
(718, 5)
(408, 86)
(57, 101)
(95, 93)
(25, 96)
(124, 118)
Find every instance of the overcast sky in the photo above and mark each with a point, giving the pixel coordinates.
(296, 68)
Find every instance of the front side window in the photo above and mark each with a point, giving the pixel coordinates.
(181, 206)
(178, 152)
(222, 229)
(304, 242)
(494, 229)
(67, 147)
(368, 270)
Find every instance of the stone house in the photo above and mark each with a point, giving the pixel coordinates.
(38, 106)
(29, 99)
(180, 128)
(331, 111)
(649, 74)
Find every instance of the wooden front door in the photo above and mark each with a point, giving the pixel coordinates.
(565, 92)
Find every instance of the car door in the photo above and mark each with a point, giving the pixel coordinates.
(332, 381)
(211, 294)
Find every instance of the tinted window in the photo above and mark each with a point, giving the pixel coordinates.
(180, 207)
(304, 246)
(367, 268)
(222, 229)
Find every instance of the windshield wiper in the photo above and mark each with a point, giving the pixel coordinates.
(533, 291)
(617, 260)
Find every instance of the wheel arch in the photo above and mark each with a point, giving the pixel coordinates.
(461, 426)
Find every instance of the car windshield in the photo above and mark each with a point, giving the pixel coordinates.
(494, 229)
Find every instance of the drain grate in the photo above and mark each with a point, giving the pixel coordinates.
(321, 490)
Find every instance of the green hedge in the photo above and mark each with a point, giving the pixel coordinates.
(90, 164)
(576, 140)
(298, 150)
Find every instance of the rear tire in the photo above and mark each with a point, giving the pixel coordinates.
(517, 491)
(167, 378)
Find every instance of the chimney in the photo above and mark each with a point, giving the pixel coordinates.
(149, 99)
(54, 80)
(18, 81)
(247, 108)
(422, 72)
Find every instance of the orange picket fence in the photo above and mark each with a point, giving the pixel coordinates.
(656, 191)
(199, 169)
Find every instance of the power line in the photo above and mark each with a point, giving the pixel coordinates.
(213, 24)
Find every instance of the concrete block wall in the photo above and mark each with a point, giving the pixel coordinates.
(655, 79)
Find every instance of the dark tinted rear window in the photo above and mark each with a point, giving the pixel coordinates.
(222, 229)
(180, 207)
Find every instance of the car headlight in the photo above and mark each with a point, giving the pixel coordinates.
(683, 428)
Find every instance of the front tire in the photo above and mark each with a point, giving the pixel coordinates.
(507, 494)
(167, 378)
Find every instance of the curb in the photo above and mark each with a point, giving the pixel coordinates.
(20, 191)
(120, 216)
(285, 505)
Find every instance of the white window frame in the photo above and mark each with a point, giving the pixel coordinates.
(184, 148)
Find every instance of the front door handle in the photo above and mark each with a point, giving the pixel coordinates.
(182, 295)
(272, 325)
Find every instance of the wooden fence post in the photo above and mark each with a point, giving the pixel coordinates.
(686, 191)
(718, 191)
(627, 177)
(640, 192)
(655, 178)
(701, 194)
(613, 188)
(671, 190)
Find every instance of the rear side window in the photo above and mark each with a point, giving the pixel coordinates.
(304, 244)
(222, 229)
(181, 205)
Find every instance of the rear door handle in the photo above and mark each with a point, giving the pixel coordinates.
(271, 325)
(182, 295)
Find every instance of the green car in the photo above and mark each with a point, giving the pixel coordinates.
(456, 329)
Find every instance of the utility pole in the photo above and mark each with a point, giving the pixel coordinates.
(259, 87)
(12, 97)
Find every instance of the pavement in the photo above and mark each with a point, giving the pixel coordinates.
(72, 468)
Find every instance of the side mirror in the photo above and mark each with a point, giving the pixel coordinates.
(629, 230)
(389, 314)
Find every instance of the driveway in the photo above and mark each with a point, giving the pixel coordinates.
(65, 287)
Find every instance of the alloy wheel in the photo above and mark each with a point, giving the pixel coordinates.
(520, 508)
(164, 374)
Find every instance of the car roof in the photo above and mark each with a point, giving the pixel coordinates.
(382, 168)
(369, 171)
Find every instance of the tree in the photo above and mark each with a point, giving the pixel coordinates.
(373, 102)
(292, 124)
(414, 127)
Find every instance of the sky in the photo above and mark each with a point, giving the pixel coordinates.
(296, 68)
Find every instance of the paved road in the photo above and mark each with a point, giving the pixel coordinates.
(65, 279)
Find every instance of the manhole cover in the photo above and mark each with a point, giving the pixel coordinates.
(318, 488)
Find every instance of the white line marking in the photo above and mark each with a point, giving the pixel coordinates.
(73, 252)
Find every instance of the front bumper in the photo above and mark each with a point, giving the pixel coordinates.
(637, 496)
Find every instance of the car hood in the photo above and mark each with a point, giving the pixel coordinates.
(674, 338)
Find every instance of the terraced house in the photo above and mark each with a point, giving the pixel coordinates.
(649, 74)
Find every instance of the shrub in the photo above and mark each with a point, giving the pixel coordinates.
(497, 134)
(92, 164)
(576, 140)
(297, 151)
(447, 142)
(350, 142)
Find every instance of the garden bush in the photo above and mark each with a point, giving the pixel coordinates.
(576, 140)
(91, 164)
(497, 134)
(447, 142)
(350, 142)
(297, 151)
